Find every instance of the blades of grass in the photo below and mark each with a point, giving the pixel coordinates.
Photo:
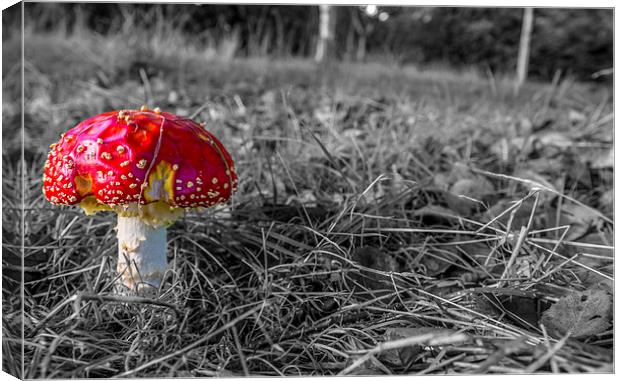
(244, 364)
(204, 339)
(547, 356)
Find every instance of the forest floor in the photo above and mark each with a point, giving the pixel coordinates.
(388, 220)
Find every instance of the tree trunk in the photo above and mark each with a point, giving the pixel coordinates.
(361, 48)
(524, 47)
(350, 43)
(326, 44)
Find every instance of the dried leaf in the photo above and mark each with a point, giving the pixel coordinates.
(466, 194)
(604, 159)
(580, 218)
(521, 214)
(545, 195)
(555, 139)
(438, 263)
(476, 188)
(373, 258)
(441, 181)
(408, 355)
(575, 116)
(606, 200)
(581, 314)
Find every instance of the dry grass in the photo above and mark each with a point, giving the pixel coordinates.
(343, 252)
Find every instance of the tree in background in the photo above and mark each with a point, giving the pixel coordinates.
(524, 47)
(326, 42)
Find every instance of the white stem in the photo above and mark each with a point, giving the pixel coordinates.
(141, 253)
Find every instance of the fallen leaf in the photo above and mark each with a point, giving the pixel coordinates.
(528, 174)
(603, 160)
(441, 181)
(521, 215)
(434, 215)
(373, 258)
(466, 195)
(575, 116)
(606, 200)
(580, 218)
(555, 139)
(595, 251)
(580, 314)
(437, 263)
(476, 188)
(408, 355)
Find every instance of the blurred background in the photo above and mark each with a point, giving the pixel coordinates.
(574, 41)
(85, 58)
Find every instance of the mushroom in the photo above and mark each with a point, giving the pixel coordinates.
(148, 166)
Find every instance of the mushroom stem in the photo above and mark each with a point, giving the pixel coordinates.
(141, 253)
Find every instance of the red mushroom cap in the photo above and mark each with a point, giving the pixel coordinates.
(139, 162)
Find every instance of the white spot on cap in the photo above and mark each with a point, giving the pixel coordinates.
(106, 155)
(120, 149)
(141, 164)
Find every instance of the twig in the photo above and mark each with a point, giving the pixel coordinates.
(513, 256)
(428, 339)
(552, 351)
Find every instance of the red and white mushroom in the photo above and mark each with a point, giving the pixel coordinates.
(147, 166)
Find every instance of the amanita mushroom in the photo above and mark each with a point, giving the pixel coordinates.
(147, 166)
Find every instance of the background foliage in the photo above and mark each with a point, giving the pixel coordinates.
(575, 41)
